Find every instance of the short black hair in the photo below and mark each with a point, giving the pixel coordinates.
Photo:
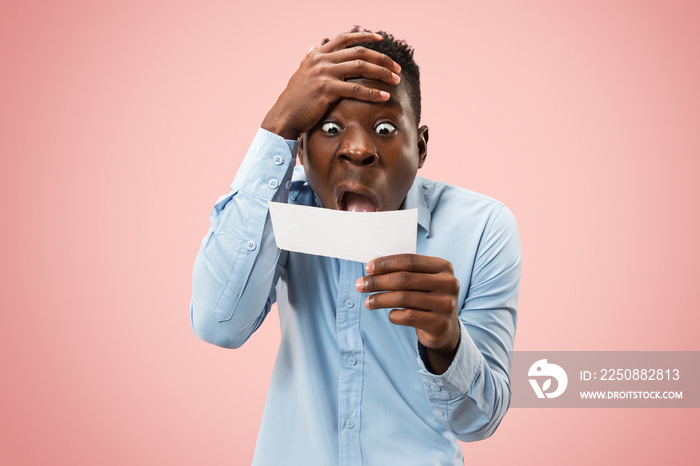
(401, 53)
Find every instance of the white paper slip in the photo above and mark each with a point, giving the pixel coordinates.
(355, 236)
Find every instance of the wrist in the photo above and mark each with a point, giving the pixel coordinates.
(438, 360)
(275, 123)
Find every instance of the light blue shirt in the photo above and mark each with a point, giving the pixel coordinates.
(348, 386)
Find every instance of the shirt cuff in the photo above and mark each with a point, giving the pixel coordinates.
(267, 166)
(459, 377)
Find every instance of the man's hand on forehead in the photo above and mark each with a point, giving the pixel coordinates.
(322, 79)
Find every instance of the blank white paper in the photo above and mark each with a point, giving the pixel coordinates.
(355, 236)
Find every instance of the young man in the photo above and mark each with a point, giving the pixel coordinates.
(388, 362)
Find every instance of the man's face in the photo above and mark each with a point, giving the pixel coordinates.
(364, 156)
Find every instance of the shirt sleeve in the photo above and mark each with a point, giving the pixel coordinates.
(238, 264)
(473, 395)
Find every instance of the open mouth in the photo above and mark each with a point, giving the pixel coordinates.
(356, 202)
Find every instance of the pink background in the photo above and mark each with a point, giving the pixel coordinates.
(121, 122)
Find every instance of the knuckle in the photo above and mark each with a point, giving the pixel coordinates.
(404, 279)
(453, 303)
(316, 69)
(324, 85)
(384, 263)
(409, 316)
(314, 58)
(453, 285)
(342, 37)
(359, 64)
(449, 302)
(402, 297)
(356, 89)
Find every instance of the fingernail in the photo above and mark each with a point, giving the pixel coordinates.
(397, 66)
(385, 95)
(370, 265)
(396, 77)
(358, 284)
(367, 301)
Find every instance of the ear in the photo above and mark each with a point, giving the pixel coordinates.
(422, 145)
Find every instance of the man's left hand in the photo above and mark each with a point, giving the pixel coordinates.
(423, 293)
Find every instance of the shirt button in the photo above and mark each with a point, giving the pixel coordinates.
(251, 245)
(349, 303)
(349, 423)
(436, 388)
(352, 361)
(287, 184)
(278, 160)
(273, 183)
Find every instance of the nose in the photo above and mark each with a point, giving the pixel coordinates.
(358, 148)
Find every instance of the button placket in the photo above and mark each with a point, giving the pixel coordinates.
(351, 371)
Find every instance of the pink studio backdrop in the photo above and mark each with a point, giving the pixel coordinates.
(121, 122)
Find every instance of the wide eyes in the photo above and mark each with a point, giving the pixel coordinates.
(330, 128)
(384, 128)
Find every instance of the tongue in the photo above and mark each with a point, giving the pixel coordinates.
(358, 203)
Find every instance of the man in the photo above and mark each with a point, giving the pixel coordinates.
(388, 362)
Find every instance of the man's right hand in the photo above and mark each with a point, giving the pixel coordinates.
(321, 80)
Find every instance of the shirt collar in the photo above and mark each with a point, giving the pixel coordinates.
(416, 200)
